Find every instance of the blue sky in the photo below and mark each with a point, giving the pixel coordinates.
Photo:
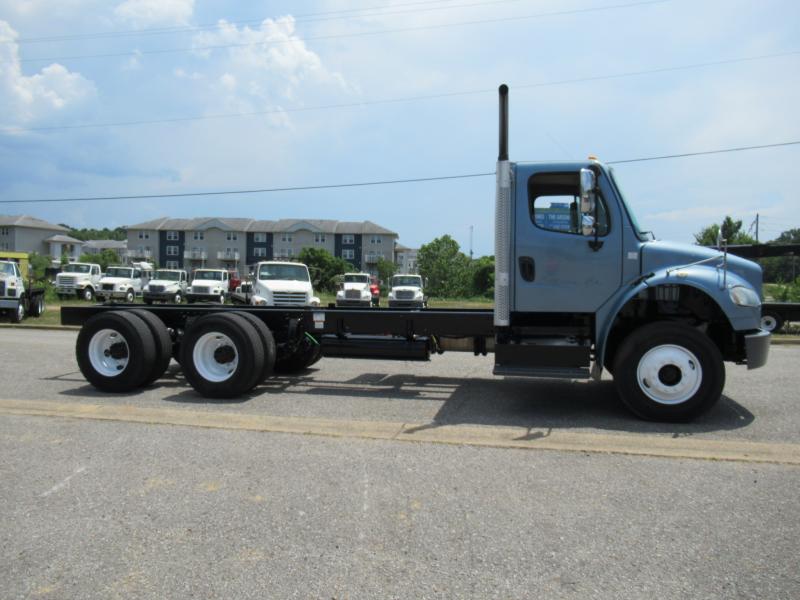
(272, 58)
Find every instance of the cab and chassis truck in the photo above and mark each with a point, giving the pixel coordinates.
(578, 288)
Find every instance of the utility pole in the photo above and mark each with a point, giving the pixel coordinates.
(471, 228)
(756, 228)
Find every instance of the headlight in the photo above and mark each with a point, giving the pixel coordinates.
(146, 288)
(121, 288)
(744, 296)
(418, 294)
(340, 294)
(258, 301)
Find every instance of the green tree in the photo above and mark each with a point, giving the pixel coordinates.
(729, 230)
(323, 267)
(483, 276)
(38, 265)
(445, 267)
(103, 258)
(386, 269)
(118, 233)
(783, 268)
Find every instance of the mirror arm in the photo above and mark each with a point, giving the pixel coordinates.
(596, 244)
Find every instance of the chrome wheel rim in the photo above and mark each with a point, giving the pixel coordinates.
(669, 374)
(109, 352)
(768, 323)
(215, 357)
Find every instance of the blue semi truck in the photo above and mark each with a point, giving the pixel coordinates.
(579, 288)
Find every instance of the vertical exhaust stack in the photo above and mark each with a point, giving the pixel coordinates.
(502, 222)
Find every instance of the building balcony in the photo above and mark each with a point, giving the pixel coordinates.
(232, 256)
(195, 255)
(141, 254)
(372, 258)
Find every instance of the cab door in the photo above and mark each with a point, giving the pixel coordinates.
(557, 268)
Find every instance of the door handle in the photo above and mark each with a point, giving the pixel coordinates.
(527, 268)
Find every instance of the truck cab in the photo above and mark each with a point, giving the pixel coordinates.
(406, 292)
(282, 284)
(355, 290)
(78, 279)
(16, 299)
(209, 285)
(124, 282)
(167, 285)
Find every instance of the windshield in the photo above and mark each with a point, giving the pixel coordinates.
(356, 278)
(406, 280)
(636, 227)
(76, 269)
(6, 268)
(168, 275)
(119, 272)
(283, 272)
(208, 275)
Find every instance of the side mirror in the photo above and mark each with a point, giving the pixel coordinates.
(588, 183)
(587, 225)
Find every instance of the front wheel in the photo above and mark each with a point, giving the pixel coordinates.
(771, 322)
(87, 294)
(129, 297)
(19, 313)
(222, 298)
(177, 298)
(669, 372)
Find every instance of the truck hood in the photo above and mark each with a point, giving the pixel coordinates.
(284, 286)
(660, 255)
(116, 280)
(354, 285)
(164, 282)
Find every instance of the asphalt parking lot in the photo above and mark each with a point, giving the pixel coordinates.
(364, 479)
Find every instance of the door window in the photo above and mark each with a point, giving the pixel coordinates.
(554, 202)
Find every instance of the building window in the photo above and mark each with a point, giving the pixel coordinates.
(376, 239)
(172, 236)
(348, 240)
(232, 236)
(348, 254)
(172, 264)
(172, 251)
(285, 253)
(3, 230)
(286, 237)
(319, 238)
(260, 238)
(260, 252)
(198, 235)
(144, 235)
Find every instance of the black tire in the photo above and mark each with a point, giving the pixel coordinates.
(267, 340)
(305, 356)
(130, 296)
(246, 343)
(87, 294)
(771, 321)
(163, 343)
(141, 351)
(148, 301)
(689, 380)
(190, 301)
(37, 306)
(18, 314)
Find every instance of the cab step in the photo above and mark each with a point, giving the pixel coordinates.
(549, 357)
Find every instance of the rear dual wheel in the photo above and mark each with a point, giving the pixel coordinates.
(222, 355)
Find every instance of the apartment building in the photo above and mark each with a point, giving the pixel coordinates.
(406, 260)
(22, 233)
(241, 243)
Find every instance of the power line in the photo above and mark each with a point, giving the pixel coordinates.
(350, 35)
(301, 18)
(356, 184)
(703, 153)
(401, 99)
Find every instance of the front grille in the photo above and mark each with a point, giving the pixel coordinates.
(66, 280)
(157, 289)
(352, 294)
(289, 298)
(108, 287)
(201, 289)
(404, 295)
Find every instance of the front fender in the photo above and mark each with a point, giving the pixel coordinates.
(708, 279)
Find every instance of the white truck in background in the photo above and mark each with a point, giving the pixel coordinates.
(209, 285)
(124, 282)
(282, 284)
(355, 291)
(81, 280)
(15, 298)
(167, 285)
(406, 291)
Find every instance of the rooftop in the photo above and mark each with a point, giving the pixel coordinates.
(28, 221)
(253, 225)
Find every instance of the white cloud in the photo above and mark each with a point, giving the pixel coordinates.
(264, 68)
(53, 90)
(143, 13)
